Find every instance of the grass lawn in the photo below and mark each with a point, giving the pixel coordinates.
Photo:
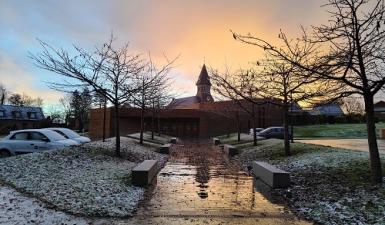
(87, 180)
(329, 185)
(232, 139)
(334, 130)
(157, 141)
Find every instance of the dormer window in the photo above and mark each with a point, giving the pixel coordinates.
(31, 115)
(16, 114)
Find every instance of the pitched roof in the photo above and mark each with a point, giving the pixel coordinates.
(380, 104)
(330, 109)
(8, 112)
(203, 77)
(181, 103)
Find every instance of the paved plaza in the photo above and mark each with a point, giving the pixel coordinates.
(200, 185)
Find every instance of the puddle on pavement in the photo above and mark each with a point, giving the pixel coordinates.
(200, 182)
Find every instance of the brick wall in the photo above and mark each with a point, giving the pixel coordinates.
(210, 120)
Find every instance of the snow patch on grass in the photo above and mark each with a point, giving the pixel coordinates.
(329, 185)
(86, 180)
(18, 209)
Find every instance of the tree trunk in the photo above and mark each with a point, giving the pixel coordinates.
(141, 125)
(153, 121)
(117, 131)
(254, 126)
(239, 128)
(375, 162)
(104, 119)
(286, 130)
(228, 130)
(158, 121)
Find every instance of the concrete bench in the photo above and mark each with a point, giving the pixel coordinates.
(271, 175)
(144, 173)
(173, 140)
(165, 149)
(216, 141)
(230, 150)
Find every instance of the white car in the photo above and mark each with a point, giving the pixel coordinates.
(70, 134)
(257, 130)
(33, 140)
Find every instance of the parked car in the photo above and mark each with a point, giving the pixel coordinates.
(273, 132)
(257, 130)
(70, 134)
(33, 140)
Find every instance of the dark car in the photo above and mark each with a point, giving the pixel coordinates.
(273, 132)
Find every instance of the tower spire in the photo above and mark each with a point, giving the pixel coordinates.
(203, 77)
(204, 86)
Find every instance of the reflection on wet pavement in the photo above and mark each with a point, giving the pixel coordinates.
(199, 185)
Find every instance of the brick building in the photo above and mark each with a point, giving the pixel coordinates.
(379, 110)
(195, 116)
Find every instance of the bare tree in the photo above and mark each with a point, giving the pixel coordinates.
(65, 103)
(15, 99)
(350, 49)
(290, 85)
(352, 105)
(38, 102)
(270, 82)
(162, 97)
(3, 94)
(153, 82)
(107, 70)
(241, 88)
(56, 113)
(24, 99)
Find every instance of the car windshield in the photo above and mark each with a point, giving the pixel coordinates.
(63, 134)
(53, 136)
(69, 133)
(266, 130)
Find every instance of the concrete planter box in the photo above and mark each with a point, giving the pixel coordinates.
(216, 141)
(173, 140)
(230, 150)
(165, 149)
(382, 133)
(271, 175)
(144, 173)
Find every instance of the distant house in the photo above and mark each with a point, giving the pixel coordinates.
(331, 109)
(379, 110)
(295, 109)
(19, 117)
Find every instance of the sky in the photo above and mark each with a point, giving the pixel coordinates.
(198, 31)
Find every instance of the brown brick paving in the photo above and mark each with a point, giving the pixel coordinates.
(200, 185)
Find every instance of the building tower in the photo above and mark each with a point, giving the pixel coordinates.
(204, 86)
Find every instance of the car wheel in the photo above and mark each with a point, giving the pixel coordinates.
(4, 153)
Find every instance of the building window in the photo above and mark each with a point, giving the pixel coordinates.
(32, 115)
(2, 114)
(16, 114)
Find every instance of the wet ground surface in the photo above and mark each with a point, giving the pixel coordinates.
(200, 185)
(352, 144)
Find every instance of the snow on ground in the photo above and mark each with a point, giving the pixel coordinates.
(85, 180)
(329, 185)
(17, 209)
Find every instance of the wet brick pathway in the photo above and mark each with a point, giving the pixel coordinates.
(200, 185)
